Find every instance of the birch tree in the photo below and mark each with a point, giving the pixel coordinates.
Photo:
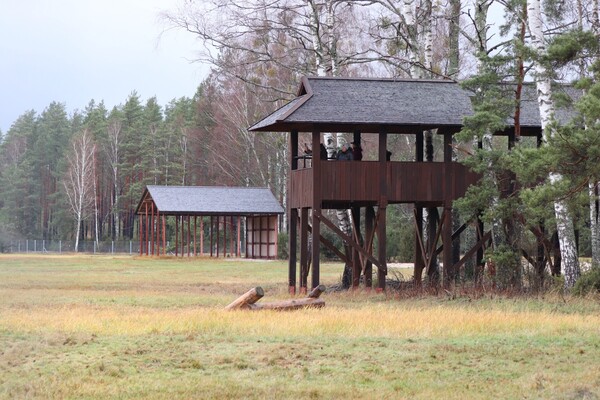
(564, 223)
(79, 180)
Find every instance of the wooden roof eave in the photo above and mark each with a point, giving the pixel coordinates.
(215, 214)
(144, 197)
(283, 126)
(304, 94)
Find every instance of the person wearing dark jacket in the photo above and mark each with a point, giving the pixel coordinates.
(323, 152)
(356, 151)
(345, 154)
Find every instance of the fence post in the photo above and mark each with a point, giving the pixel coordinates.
(34, 245)
(27, 246)
(130, 248)
(112, 247)
(59, 246)
(94, 247)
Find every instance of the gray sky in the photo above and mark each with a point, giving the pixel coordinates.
(72, 51)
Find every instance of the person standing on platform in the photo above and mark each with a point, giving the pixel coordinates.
(356, 151)
(345, 154)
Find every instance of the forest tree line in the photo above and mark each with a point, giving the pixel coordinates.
(258, 50)
(81, 175)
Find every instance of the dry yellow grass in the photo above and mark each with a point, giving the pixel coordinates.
(126, 327)
(379, 320)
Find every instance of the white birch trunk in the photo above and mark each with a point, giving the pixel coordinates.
(413, 52)
(564, 223)
(80, 179)
(114, 132)
(316, 39)
(594, 185)
(594, 225)
(331, 142)
(96, 211)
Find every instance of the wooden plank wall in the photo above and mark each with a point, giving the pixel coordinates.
(407, 182)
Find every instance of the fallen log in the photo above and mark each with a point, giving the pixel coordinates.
(247, 301)
(316, 292)
(294, 304)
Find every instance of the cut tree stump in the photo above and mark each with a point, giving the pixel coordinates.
(247, 301)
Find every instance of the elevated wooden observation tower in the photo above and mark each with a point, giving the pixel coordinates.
(381, 107)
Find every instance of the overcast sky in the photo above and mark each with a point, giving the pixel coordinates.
(72, 51)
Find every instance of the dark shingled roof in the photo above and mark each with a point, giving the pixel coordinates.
(212, 200)
(370, 105)
(394, 106)
(530, 111)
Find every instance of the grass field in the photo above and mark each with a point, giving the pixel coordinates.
(97, 327)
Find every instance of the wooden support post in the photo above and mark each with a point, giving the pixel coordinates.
(231, 238)
(276, 227)
(303, 250)
(246, 236)
(224, 236)
(188, 235)
(449, 273)
(164, 234)
(158, 233)
(176, 235)
(238, 242)
(140, 233)
(316, 203)
(182, 225)
(369, 220)
(381, 223)
(218, 233)
(293, 221)
(419, 261)
(152, 228)
(146, 229)
(260, 236)
(195, 234)
(356, 265)
(293, 226)
(201, 235)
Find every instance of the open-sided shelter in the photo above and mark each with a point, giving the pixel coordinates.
(382, 107)
(223, 207)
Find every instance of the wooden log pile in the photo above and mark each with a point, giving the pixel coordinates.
(248, 300)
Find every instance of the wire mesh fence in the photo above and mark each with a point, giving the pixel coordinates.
(68, 246)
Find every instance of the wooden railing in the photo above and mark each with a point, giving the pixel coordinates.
(359, 181)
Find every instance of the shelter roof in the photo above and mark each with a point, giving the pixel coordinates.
(530, 111)
(211, 200)
(370, 105)
(393, 106)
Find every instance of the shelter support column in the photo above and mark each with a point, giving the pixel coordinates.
(239, 243)
(303, 250)
(369, 224)
(293, 225)
(381, 222)
(316, 224)
(449, 273)
(356, 265)
(419, 261)
(479, 262)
